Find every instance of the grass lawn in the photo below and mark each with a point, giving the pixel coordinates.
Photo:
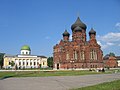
(114, 85)
(45, 73)
(7, 74)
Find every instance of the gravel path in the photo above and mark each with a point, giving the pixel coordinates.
(55, 82)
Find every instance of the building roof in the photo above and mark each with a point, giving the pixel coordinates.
(42, 56)
(8, 55)
(66, 33)
(118, 57)
(78, 29)
(112, 54)
(92, 31)
(78, 23)
(106, 57)
(22, 56)
(25, 47)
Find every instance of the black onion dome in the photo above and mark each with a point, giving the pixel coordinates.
(78, 29)
(92, 31)
(78, 23)
(66, 33)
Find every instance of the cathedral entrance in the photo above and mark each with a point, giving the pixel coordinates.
(57, 65)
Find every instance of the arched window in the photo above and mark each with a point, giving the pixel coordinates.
(93, 55)
(67, 56)
(75, 55)
(22, 52)
(27, 63)
(82, 55)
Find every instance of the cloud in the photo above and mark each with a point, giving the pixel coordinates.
(110, 44)
(117, 25)
(103, 46)
(110, 37)
(109, 40)
(99, 43)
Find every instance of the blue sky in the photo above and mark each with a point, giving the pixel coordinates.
(40, 23)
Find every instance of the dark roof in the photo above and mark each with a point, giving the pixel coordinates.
(92, 31)
(118, 57)
(106, 57)
(42, 56)
(78, 29)
(78, 23)
(66, 33)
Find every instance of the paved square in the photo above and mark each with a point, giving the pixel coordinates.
(55, 82)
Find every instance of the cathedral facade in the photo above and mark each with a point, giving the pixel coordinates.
(78, 52)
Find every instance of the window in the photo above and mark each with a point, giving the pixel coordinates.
(23, 63)
(37, 63)
(67, 56)
(93, 55)
(75, 54)
(9, 63)
(34, 63)
(27, 63)
(90, 66)
(95, 66)
(82, 66)
(43, 63)
(19, 63)
(30, 63)
(82, 55)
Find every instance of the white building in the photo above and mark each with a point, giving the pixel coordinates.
(118, 60)
(25, 59)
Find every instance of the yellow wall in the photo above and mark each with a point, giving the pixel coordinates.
(9, 59)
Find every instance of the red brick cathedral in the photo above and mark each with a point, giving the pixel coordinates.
(78, 53)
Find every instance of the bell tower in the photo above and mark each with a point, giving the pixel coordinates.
(66, 36)
(78, 31)
(92, 34)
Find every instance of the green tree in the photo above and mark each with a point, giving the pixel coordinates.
(50, 62)
(12, 63)
(1, 59)
(112, 54)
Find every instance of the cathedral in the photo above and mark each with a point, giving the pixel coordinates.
(78, 53)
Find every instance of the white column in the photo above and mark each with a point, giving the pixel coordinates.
(25, 63)
(17, 62)
(32, 63)
(29, 63)
(83, 55)
(36, 63)
(21, 63)
(55, 66)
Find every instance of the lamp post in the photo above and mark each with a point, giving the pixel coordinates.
(72, 62)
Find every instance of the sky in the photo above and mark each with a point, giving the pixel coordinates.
(40, 23)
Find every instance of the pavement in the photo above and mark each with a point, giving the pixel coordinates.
(55, 82)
